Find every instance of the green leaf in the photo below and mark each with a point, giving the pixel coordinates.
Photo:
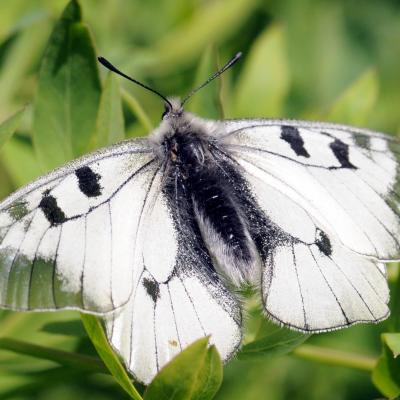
(393, 342)
(22, 57)
(137, 110)
(264, 83)
(9, 126)
(96, 333)
(355, 105)
(20, 161)
(68, 93)
(210, 376)
(194, 374)
(272, 341)
(213, 20)
(386, 374)
(69, 328)
(394, 319)
(207, 102)
(110, 120)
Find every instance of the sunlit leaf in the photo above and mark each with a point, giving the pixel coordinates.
(68, 94)
(194, 374)
(392, 340)
(110, 120)
(357, 102)
(264, 83)
(96, 333)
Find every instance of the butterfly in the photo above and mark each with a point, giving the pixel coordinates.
(154, 234)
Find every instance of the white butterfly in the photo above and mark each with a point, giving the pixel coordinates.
(150, 233)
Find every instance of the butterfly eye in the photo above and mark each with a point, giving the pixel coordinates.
(167, 109)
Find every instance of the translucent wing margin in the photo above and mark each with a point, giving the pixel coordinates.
(68, 239)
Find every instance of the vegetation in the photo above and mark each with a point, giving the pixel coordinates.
(334, 61)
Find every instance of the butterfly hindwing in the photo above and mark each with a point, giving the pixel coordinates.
(312, 279)
(67, 240)
(177, 296)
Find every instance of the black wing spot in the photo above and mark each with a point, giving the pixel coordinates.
(341, 152)
(323, 243)
(88, 181)
(291, 135)
(153, 289)
(53, 213)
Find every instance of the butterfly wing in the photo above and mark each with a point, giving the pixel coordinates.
(331, 191)
(102, 235)
(178, 297)
(68, 239)
(345, 176)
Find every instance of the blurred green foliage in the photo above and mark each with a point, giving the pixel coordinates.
(311, 59)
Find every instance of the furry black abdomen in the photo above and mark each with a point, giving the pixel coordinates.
(215, 205)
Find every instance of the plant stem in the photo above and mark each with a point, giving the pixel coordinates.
(76, 360)
(335, 357)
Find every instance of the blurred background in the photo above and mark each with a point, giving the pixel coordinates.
(309, 59)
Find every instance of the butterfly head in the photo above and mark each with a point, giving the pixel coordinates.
(172, 109)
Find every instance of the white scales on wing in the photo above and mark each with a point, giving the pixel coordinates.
(139, 232)
(349, 191)
(57, 239)
(170, 307)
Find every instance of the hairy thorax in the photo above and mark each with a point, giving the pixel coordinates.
(191, 162)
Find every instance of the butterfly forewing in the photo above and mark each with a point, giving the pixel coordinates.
(66, 242)
(346, 178)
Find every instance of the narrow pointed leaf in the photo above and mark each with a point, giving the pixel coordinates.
(137, 110)
(392, 340)
(9, 126)
(110, 120)
(96, 333)
(68, 94)
(264, 82)
(357, 102)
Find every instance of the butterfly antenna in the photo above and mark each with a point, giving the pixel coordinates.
(229, 64)
(111, 67)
